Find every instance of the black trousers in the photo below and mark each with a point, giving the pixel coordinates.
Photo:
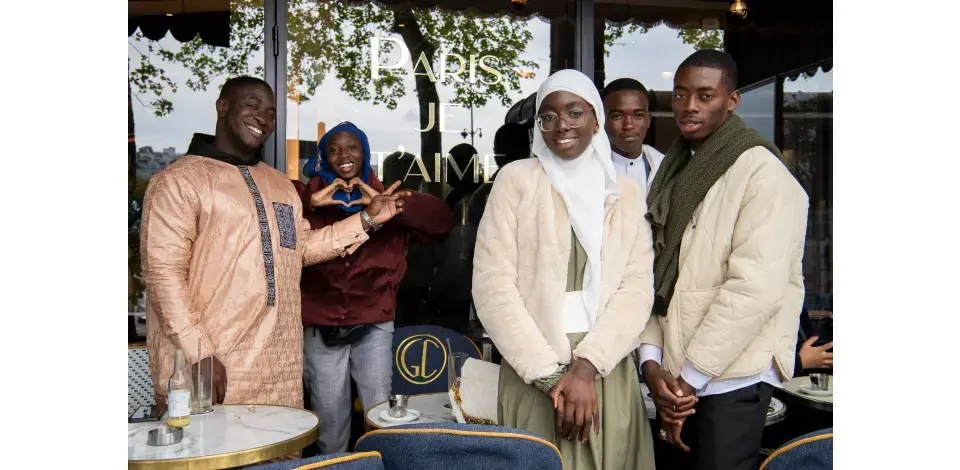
(725, 432)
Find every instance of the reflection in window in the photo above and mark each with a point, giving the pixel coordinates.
(172, 90)
(757, 108)
(424, 81)
(808, 143)
(420, 80)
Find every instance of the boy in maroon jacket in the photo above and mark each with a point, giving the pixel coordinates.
(348, 303)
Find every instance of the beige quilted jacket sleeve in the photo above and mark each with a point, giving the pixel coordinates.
(496, 295)
(768, 237)
(652, 334)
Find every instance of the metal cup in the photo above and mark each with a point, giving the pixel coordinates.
(398, 406)
(820, 381)
(164, 436)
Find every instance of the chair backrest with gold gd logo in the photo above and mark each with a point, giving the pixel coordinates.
(420, 356)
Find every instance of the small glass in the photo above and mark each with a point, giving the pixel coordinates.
(487, 352)
(201, 402)
(455, 368)
(820, 381)
(398, 406)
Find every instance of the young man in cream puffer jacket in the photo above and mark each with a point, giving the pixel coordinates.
(723, 332)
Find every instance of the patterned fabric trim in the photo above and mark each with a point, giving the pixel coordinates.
(265, 244)
(288, 232)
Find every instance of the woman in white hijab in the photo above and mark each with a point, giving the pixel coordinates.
(563, 284)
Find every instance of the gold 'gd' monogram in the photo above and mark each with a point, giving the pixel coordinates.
(419, 374)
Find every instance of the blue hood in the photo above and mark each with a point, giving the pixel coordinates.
(319, 166)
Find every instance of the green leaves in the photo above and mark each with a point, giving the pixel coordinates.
(149, 81)
(614, 32)
(334, 37)
(702, 39)
(502, 38)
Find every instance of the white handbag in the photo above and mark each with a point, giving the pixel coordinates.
(478, 393)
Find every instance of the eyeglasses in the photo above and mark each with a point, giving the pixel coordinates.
(574, 118)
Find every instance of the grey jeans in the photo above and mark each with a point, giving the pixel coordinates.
(327, 373)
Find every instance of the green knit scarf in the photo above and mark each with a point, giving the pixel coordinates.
(680, 185)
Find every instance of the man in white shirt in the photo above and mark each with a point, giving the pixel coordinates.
(627, 104)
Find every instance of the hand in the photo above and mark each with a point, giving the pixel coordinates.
(219, 391)
(575, 402)
(674, 405)
(366, 192)
(816, 357)
(671, 434)
(324, 197)
(386, 205)
(686, 389)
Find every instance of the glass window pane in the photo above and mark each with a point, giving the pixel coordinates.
(420, 81)
(173, 87)
(480, 66)
(808, 143)
(757, 108)
(647, 42)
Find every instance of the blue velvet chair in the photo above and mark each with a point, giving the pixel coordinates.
(344, 461)
(446, 446)
(420, 358)
(812, 451)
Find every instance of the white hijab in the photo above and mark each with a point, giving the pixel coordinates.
(584, 183)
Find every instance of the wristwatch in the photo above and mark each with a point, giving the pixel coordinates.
(366, 217)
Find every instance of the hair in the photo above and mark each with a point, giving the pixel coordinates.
(236, 83)
(462, 155)
(511, 143)
(395, 168)
(712, 59)
(624, 84)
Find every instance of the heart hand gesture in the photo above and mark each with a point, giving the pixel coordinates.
(324, 197)
(366, 193)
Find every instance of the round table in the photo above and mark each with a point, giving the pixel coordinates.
(791, 393)
(776, 412)
(430, 405)
(650, 405)
(230, 436)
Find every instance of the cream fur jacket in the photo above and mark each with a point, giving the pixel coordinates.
(520, 274)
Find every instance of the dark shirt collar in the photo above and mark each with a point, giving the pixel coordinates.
(204, 146)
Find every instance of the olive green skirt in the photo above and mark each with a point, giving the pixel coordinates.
(625, 440)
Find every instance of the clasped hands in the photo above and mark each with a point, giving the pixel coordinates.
(675, 400)
(575, 402)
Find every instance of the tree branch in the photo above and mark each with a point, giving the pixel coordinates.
(136, 49)
(137, 97)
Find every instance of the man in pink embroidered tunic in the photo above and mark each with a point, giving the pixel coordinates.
(223, 243)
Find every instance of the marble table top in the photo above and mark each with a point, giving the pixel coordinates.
(230, 436)
(792, 392)
(430, 405)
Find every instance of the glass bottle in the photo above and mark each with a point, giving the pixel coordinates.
(178, 393)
